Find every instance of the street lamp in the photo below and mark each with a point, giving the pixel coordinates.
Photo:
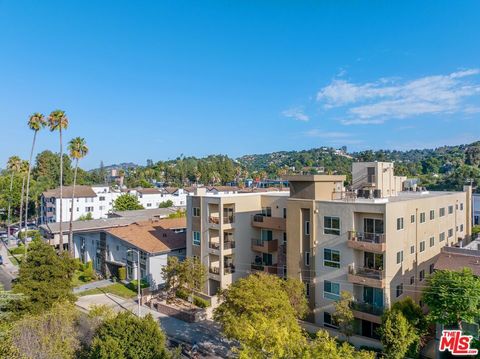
(138, 279)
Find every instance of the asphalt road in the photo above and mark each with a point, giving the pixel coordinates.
(5, 279)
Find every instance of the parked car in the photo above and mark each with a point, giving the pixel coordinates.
(1, 260)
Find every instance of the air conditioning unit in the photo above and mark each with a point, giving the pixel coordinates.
(377, 193)
(366, 193)
(360, 193)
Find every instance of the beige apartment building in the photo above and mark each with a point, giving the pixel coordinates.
(378, 240)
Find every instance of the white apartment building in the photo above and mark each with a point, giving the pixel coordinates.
(97, 200)
(476, 208)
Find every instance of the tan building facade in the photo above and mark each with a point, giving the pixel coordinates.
(375, 240)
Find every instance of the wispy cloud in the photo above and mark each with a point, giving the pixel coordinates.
(297, 113)
(389, 98)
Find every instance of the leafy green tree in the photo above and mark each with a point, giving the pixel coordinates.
(51, 334)
(324, 346)
(126, 202)
(58, 121)
(44, 279)
(127, 336)
(344, 315)
(295, 290)
(179, 213)
(78, 149)
(166, 204)
(475, 231)
(193, 274)
(257, 312)
(452, 297)
(13, 166)
(397, 334)
(86, 217)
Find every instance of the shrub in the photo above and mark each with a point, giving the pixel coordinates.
(18, 250)
(88, 273)
(200, 302)
(122, 273)
(182, 294)
(134, 283)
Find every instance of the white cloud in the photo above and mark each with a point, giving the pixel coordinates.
(296, 113)
(375, 102)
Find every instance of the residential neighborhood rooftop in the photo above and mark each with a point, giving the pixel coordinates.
(80, 191)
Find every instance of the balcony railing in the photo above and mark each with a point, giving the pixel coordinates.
(261, 221)
(229, 269)
(214, 245)
(228, 219)
(272, 269)
(366, 272)
(367, 308)
(259, 245)
(214, 270)
(214, 220)
(367, 237)
(229, 245)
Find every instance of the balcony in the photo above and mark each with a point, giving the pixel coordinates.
(275, 223)
(214, 220)
(258, 267)
(369, 242)
(264, 246)
(366, 276)
(367, 311)
(214, 246)
(214, 273)
(230, 269)
(229, 219)
(228, 245)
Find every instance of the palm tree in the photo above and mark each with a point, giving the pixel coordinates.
(36, 122)
(58, 121)
(23, 171)
(13, 165)
(78, 149)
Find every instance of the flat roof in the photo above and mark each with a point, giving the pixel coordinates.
(315, 178)
(458, 258)
(152, 212)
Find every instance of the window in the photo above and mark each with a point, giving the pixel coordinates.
(331, 225)
(422, 275)
(284, 238)
(432, 214)
(307, 288)
(196, 211)
(399, 290)
(422, 217)
(307, 228)
(399, 257)
(267, 211)
(331, 258)
(118, 248)
(284, 213)
(329, 320)
(284, 270)
(331, 290)
(101, 198)
(399, 223)
(88, 209)
(432, 241)
(412, 218)
(196, 238)
(412, 249)
(450, 209)
(422, 246)
(461, 228)
(442, 212)
(149, 205)
(461, 206)
(441, 237)
(307, 258)
(450, 232)
(412, 280)
(431, 268)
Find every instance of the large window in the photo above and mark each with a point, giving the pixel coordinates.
(266, 235)
(329, 320)
(267, 211)
(441, 237)
(196, 238)
(331, 258)
(432, 214)
(432, 241)
(196, 211)
(441, 212)
(331, 225)
(422, 246)
(450, 209)
(450, 232)
(422, 217)
(400, 223)
(331, 290)
(399, 257)
(371, 225)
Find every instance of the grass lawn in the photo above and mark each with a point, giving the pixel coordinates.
(116, 289)
(77, 279)
(14, 260)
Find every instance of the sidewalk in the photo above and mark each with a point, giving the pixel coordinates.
(8, 266)
(206, 334)
(92, 285)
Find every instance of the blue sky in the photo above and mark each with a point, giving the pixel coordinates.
(156, 79)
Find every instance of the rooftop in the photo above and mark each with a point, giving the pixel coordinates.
(80, 191)
(456, 259)
(152, 236)
(145, 213)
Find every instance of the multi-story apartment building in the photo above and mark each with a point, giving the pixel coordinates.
(97, 200)
(375, 240)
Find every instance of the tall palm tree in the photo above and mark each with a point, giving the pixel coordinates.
(13, 165)
(58, 121)
(23, 171)
(36, 122)
(78, 149)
